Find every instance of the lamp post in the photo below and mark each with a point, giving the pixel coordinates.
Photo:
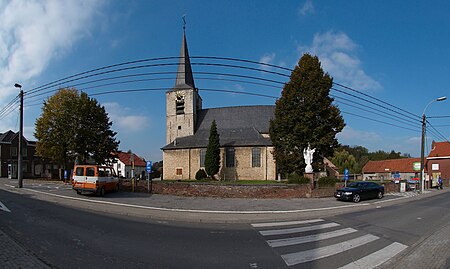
(19, 159)
(422, 146)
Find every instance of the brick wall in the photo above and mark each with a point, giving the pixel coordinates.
(283, 191)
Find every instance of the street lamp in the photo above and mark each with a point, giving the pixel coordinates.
(19, 160)
(422, 146)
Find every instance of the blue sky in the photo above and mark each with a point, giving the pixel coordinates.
(396, 51)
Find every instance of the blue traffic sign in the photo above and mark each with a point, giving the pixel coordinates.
(148, 167)
(345, 174)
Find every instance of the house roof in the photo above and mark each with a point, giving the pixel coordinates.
(387, 166)
(125, 157)
(237, 126)
(439, 150)
(7, 137)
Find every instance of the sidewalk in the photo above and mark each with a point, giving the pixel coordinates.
(13, 256)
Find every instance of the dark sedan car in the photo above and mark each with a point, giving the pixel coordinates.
(357, 191)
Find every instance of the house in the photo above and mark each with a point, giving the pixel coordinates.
(438, 162)
(396, 169)
(125, 162)
(33, 166)
(246, 150)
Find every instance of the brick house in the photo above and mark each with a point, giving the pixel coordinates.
(245, 145)
(123, 164)
(400, 169)
(33, 166)
(438, 162)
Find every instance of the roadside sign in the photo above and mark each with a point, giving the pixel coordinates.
(345, 174)
(416, 166)
(148, 167)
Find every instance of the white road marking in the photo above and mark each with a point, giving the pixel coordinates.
(299, 229)
(309, 238)
(285, 223)
(4, 208)
(377, 258)
(323, 252)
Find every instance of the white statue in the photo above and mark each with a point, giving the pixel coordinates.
(308, 155)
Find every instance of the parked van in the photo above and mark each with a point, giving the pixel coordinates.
(94, 179)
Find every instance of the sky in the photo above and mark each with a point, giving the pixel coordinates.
(394, 51)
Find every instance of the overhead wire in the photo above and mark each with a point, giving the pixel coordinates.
(39, 91)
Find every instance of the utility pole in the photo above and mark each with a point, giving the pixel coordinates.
(19, 160)
(422, 145)
(422, 155)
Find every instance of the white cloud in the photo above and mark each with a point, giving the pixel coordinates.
(123, 120)
(307, 8)
(32, 33)
(337, 53)
(267, 59)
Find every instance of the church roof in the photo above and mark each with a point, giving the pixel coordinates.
(237, 126)
(185, 79)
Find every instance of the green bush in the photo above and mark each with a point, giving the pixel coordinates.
(200, 175)
(328, 181)
(295, 178)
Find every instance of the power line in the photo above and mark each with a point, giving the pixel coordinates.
(357, 97)
(379, 100)
(379, 114)
(356, 115)
(440, 135)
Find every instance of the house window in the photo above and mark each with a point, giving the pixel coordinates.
(179, 171)
(24, 152)
(256, 157)
(230, 157)
(202, 157)
(13, 151)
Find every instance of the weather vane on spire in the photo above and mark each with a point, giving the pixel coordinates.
(184, 22)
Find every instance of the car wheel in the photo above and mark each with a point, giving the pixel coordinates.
(78, 192)
(101, 192)
(356, 198)
(380, 195)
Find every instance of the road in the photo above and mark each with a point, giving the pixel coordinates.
(70, 237)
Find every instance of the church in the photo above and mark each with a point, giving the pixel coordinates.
(246, 151)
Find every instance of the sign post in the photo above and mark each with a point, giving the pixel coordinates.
(345, 177)
(148, 168)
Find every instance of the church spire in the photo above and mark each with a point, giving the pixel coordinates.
(185, 79)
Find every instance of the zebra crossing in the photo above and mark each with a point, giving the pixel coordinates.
(316, 242)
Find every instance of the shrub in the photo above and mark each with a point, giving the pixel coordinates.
(328, 181)
(295, 178)
(200, 175)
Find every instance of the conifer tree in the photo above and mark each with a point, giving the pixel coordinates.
(305, 114)
(212, 156)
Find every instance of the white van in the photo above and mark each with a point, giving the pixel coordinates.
(94, 179)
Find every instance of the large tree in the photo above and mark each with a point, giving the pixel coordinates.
(212, 156)
(305, 114)
(74, 126)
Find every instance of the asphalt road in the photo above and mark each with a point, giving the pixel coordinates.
(67, 237)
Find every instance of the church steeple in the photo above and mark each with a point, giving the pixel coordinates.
(185, 79)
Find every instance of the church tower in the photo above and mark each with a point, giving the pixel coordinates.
(183, 100)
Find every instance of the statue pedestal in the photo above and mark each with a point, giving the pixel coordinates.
(311, 179)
